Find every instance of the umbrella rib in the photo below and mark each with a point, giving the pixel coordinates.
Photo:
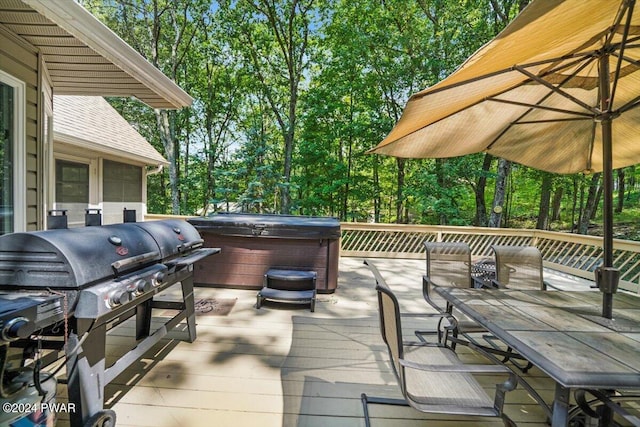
(529, 122)
(556, 89)
(629, 12)
(542, 107)
(629, 106)
(580, 56)
(538, 106)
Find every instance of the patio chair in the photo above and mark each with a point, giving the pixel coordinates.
(431, 377)
(518, 267)
(449, 265)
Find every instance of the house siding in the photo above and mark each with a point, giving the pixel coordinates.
(20, 59)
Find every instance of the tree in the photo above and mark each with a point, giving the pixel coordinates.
(621, 187)
(495, 218)
(590, 205)
(545, 201)
(274, 38)
(162, 31)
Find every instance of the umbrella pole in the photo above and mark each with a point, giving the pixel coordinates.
(607, 277)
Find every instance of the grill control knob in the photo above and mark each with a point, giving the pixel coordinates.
(143, 286)
(17, 328)
(158, 278)
(119, 297)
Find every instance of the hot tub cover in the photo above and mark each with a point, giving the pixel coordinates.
(269, 226)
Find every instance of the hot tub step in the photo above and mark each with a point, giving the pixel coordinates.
(289, 286)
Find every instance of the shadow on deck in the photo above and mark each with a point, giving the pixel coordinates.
(285, 366)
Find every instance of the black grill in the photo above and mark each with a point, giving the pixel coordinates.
(105, 274)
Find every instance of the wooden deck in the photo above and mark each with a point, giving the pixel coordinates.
(285, 366)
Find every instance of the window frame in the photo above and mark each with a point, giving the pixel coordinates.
(58, 178)
(138, 185)
(19, 150)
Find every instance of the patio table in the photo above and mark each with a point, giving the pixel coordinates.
(563, 334)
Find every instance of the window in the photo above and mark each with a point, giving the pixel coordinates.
(122, 182)
(12, 148)
(6, 158)
(72, 182)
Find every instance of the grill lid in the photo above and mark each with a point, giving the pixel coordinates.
(73, 258)
(174, 237)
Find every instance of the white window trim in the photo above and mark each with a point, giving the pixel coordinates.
(19, 151)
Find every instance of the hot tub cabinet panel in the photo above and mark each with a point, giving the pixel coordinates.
(252, 244)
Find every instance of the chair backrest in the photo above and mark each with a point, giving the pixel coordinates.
(390, 324)
(449, 264)
(519, 267)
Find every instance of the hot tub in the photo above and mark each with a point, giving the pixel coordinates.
(251, 244)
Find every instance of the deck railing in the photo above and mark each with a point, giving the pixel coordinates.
(575, 254)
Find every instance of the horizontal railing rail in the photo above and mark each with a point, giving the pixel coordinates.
(575, 254)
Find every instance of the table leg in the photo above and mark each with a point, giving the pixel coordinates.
(560, 407)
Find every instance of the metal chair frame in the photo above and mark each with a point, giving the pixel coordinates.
(431, 374)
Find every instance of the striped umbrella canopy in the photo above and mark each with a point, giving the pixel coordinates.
(556, 90)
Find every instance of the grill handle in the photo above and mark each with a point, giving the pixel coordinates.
(190, 246)
(134, 260)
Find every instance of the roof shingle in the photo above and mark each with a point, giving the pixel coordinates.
(91, 122)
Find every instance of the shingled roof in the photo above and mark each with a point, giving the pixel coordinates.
(91, 122)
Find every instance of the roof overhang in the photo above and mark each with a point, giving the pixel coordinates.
(84, 57)
(85, 144)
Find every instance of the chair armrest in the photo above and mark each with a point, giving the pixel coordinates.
(461, 368)
(427, 285)
(422, 315)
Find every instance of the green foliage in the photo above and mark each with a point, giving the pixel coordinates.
(290, 94)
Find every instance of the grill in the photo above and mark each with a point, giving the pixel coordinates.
(105, 275)
(20, 316)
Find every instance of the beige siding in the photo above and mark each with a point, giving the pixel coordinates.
(20, 59)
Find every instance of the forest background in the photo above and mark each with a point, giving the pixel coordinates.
(290, 94)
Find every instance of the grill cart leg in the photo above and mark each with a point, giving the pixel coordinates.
(143, 319)
(85, 369)
(189, 306)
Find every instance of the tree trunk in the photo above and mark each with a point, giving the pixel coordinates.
(556, 204)
(400, 191)
(285, 196)
(168, 142)
(481, 206)
(545, 201)
(504, 168)
(377, 202)
(594, 212)
(583, 227)
(576, 206)
(621, 190)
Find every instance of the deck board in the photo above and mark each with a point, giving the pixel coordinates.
(285, 366)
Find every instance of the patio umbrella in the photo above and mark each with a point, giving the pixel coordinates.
(556, 90)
